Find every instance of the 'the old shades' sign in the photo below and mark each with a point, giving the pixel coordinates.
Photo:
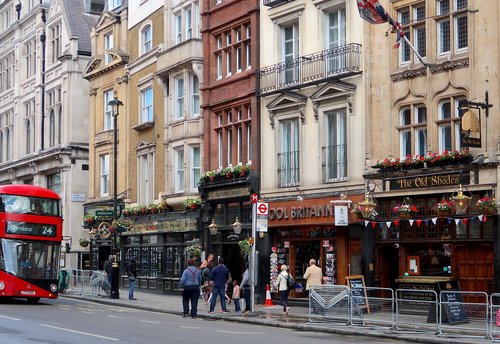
(419, 182)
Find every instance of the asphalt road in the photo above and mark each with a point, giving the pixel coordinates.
(75, 321)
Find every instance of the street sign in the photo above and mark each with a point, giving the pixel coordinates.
(261, 225)
(262, 209)
(254, 198)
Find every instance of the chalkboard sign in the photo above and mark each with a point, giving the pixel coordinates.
(358, 291)
(452, 303)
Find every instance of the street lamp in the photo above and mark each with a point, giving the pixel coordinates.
(213, 227)
(237, 227)
(115, 104)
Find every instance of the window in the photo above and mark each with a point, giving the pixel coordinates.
(30, 58)
(248, 47)
(28, 136)
(112, 4)
(288, 159)
(59, 126)
(412, 129)
(105, 182)
(195, 168)
(179, 98)
(7, 72)
(229, 146)
(147, 105)
(448, 125)
(52, 128)
(7, 144)
(108, 110)
(145, 177)
(146, 36)
(54, 182)
(220, 151)
(336, 28)
(29, 118)
(412, 19)
(178, 28)
(189, 24)
(108, 44)
(290, 49)
(179, 170)
(452, 26)
(55, 42)
(195, 96)
(219, 65)
(335, 150)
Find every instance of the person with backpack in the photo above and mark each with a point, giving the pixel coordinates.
(284, 284)
(190, 286)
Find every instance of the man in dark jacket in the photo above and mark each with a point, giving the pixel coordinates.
(132, 276)
(219, 277)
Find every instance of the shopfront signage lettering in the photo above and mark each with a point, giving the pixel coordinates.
(227, 193)
(428, 181)
(283, 213)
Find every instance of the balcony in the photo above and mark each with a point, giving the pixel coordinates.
(335, 163)
(336, 63)
(274, 3)
(288, 169)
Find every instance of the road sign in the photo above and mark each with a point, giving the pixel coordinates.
(254, 198)
(261, 225)
(262, 209)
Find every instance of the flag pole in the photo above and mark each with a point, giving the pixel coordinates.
(414, 50)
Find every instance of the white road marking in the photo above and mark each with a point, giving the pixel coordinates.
(238, 332)
(87, 312)
(150, 322)
(79, 332)
(11, 318)
(191, 327)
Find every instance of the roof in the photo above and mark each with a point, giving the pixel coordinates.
(80, 23)
(28, 190)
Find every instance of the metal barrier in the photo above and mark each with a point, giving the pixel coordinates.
(329, 303)
(469, 310)
(495, 317)
(376, 308)
(417, 310)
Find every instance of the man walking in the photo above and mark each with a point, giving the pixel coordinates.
(131, 271)
(190, 282)
(219, 277)
(313, 276)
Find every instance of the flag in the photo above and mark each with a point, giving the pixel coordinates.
(374, 13)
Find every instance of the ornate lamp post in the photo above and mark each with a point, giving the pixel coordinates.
(237, 227)
(115, 104)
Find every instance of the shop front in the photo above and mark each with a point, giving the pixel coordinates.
(304, 230)
(422, 237)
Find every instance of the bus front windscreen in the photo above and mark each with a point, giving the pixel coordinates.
(16, 204)
(30, 259)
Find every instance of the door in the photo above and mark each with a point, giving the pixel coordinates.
(388, 257)
(304, 251)
(474, 267)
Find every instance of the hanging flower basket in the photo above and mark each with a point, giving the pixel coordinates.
(194, 250)
(444, 208)
(84, 242)
(245, 247)
(405, 210)
(487, 205)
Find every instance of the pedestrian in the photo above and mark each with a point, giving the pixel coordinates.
(206, 268)
(245, 285)
(190, 283)
(219, 277)
(131, 271)
(108, 268)
(282, 285)
(313, 276)
(236, 296)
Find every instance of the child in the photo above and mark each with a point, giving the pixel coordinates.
(236, 296)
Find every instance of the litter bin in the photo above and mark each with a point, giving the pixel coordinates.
(63, 281)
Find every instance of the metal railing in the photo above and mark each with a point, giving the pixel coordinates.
(335, 163)
(339, 62)
(288, 169)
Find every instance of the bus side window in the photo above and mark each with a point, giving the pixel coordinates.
(2, 206)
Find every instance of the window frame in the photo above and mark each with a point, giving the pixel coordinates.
(104, 175)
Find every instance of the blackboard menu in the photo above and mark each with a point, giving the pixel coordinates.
(452, 303)
(358, 292)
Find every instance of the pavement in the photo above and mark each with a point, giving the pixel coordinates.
(297, 319)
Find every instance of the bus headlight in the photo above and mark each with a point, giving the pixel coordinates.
(2, 285)
(53, 288)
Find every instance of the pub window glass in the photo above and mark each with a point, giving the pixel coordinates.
(474, 230)
(461, 230)
(488, 227)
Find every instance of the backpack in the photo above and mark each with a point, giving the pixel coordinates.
(290, 282)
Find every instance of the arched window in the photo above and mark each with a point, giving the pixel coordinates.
(7, 144)
(146, 38)
(28, 137)
(52, 128)
(59, 126)
(1, 146)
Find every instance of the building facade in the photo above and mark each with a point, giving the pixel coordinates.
(230, 32)
(431, 130)
(43, 134)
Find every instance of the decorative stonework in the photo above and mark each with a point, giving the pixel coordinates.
(434, 68)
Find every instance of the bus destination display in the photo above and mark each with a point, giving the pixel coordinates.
(35, 229)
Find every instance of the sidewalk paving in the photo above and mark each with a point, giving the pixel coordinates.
(297, 319)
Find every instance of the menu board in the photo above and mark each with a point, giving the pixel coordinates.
(454, 310)
(359, 298)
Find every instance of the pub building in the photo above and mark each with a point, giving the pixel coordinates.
(158, 241)
(430, 247)
(303, 229)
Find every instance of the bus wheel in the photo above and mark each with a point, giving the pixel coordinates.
(33, 300)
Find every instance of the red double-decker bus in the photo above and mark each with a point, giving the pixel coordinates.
(30, 242)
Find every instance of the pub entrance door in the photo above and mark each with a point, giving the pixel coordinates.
(300, 254)
(388, 266)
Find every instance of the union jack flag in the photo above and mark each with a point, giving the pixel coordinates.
(374, 13)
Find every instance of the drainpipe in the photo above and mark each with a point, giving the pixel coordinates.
(43, 38)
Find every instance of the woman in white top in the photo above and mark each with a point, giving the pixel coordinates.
(282, 285)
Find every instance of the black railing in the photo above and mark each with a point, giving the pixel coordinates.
(338, 62)
(288, 169)
(274, 3)
(335, 163)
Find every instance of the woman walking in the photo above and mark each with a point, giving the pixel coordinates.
(282, 285)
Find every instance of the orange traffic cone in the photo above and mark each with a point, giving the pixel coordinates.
(268, 297)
